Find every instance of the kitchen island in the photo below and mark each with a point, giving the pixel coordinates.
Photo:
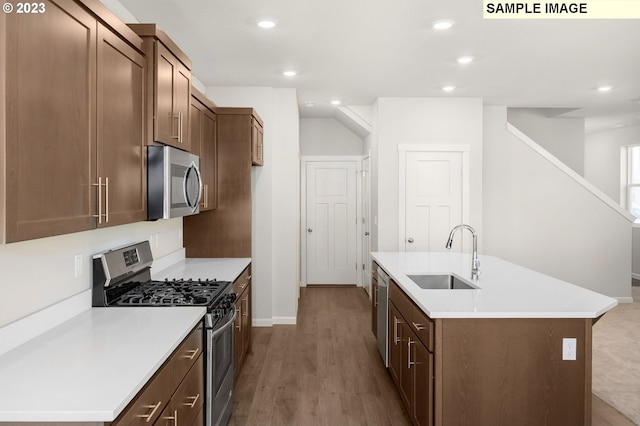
(513, 350)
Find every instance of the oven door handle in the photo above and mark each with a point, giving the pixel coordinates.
(223, 327)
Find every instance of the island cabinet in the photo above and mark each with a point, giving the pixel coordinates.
(242, 334)
(71, 125)
(411, 360)
(374, 298)
(204, 143)
(488, 371)
(168, 90)
(175, 394)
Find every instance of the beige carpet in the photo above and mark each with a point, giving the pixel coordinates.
(616, 358)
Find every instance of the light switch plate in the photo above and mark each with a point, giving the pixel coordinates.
(78, 265)
(569, 349)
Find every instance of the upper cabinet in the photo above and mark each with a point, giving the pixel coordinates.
(72, 129)
(169, 88)
(257, 135)
(204, 143)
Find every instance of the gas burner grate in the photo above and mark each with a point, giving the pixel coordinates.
(173, 293)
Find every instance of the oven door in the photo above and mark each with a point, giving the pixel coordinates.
(219, 371)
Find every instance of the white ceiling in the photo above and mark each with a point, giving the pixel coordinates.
(359, 50)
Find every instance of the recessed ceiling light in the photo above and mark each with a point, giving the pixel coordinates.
(290, 73)
(336, 102)
(442, 24)
(448, 88)
(266, 23)
(465, 59)
(604, 88)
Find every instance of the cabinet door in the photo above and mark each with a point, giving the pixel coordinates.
(50, 121)
(257, 136)
(195, 126)
(182, 104)
(395, 343)
(374, 306)
(120, 131)
(406, 374)
(209, 160)
(422, 412)
(237, 337)
(246, 322)
(165, 123)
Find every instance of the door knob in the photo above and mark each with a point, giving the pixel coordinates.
(309, 230)
(366, 234)
(410, 240)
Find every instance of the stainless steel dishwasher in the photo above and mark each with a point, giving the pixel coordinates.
(383, 300)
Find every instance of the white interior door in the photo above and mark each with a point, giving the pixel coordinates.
(433, 203)
(366, 226)
(331, 222)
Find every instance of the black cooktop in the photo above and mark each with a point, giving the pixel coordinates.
(172, 293)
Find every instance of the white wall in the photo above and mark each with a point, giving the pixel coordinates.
(274, 250)
(539, 217)
(40, 273)
(421, 121)
(602, 168)
(562, 137)
(327, 136)
(602, 157)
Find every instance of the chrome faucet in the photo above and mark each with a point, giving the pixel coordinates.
(475, 263)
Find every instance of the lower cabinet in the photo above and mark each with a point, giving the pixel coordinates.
(242, 333)
(374, 298)
(410, 361)
(175, 394)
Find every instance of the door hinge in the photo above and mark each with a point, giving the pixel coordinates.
(363, 266)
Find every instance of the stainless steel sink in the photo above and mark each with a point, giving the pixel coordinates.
(440, 282)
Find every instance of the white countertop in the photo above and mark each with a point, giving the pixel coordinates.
(91, 366)
(222, 269)
(506, 290)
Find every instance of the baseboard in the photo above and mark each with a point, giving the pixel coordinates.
(624, 299)
(284, 320)
(270, 322)
(261, 322)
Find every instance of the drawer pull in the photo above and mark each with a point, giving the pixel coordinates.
(419, 327)
(396, 321)
(192, 403)
(149, 416)
(191, 354)
(174, 418)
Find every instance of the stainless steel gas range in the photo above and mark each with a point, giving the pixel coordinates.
(122, 277)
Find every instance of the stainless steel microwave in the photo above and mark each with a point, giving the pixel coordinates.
(174, 186)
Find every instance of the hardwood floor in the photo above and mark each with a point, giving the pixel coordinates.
(326, 370)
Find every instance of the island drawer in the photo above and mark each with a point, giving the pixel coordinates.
(423, 326)
(400, 299)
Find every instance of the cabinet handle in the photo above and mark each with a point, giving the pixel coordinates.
(180, 115)
(147, 417)
(106, 200)
(239, 326)
(99, 185)
(419, 327)
(192, 403)
(246, 307)
(206, 195)
(174, 418)
(396, 321)
(409, 362)
(192, 354)
(177, 136)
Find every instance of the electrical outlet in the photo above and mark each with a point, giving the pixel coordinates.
(569, 349)
(78, 265)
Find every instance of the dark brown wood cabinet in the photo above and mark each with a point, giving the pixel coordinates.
(411, 363)
(204, 143)
(374, 298)
(71, 133)
(257, 141)
(231, 221)
(242, 333)
(460, 371)
(168, 87)
(175, 394)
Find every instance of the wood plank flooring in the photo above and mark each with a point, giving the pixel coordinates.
(326, 370)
